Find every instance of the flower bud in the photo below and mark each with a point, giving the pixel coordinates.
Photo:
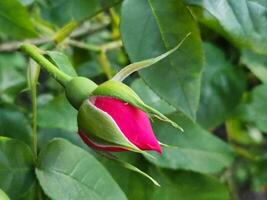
(121, 91)
(79, 89)
(114, 118)
(110, 124)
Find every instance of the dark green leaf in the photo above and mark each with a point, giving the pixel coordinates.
(12, 76)
(185, 185)
(67, 172)
(15, 20)
(254, 109)
(180, 185)
(256, 63)
(61, 12)
(62, 62)
(260, 174)
(194, 149)
(244, 22)
(31, 193)
(152, 27)
(222, 87)
(152, 99)
(16, 167)
(90, 69)
(14, 124)
(58, 113)
(46, 135)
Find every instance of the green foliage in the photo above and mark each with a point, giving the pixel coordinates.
(68, 172)
(21, 130)
(166, 22)
(186, 150)
(243, 22)
(12, 76)
(65, 115)
(62, 62)
(256, 63)
(16, 167)
(220, 92)
(254, 109)
(77, 10)
(180, 187)
(213, 85)
(15, 20)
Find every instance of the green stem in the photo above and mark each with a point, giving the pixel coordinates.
(33, 75)
(35, 54)
(65, 32)
(86, 46)
(104, 62)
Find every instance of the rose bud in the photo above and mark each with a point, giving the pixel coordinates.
(114, 118)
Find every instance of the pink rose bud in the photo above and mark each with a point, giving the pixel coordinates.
(114, 118)
(132, 122)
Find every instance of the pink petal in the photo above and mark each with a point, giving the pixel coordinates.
(98, 146)
(133, 122)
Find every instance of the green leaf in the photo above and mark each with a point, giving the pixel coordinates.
(90, 69)
(58, 113)
(31, 193)
(12, 76)
(67, 172)
(222, 87)
(16, 167)
(15, 20)
(77, 10)
(62, 62)
(131, 68)
(3, 195)
(127, 165)
(150, 97)
(253, 111)
(259, 174)
(184, 185)
(152, 27)
(15, 125)
(46, 135)
(194, 149)
(256, 63)
(243, 22)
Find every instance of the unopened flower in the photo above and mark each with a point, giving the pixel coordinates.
(114, 118)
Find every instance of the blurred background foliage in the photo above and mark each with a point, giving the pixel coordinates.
(214, 86)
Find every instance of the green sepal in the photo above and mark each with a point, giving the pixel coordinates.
(128, 166)
(121, 91)
(79, 89)
(99, 127)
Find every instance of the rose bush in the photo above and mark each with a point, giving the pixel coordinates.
(109, 99)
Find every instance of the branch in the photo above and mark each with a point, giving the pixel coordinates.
(85, 30)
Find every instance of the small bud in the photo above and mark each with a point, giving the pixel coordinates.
(109, 124)
(114, 118)
(79, 89)
(121, 91)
